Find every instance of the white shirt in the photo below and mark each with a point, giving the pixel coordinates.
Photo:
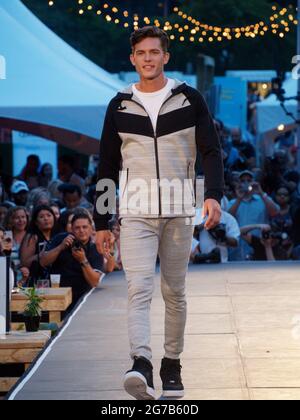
(152, 101)
(207, 242)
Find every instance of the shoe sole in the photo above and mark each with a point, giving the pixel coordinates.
(169, 394)
(136, 385)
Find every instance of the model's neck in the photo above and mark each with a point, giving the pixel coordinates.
(153, 85)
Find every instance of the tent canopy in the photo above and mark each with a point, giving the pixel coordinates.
(50, 89)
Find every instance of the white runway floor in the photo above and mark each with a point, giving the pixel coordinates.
(242, 338)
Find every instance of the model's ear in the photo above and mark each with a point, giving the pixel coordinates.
(132, 59)
(166, 58)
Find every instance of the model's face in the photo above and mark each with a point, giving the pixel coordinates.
(149, 58)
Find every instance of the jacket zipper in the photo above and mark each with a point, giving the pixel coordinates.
(155, 149)
(190, 187)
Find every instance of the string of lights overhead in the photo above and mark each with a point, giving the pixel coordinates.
(278, 24)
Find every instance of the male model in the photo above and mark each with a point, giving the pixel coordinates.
(153, 131)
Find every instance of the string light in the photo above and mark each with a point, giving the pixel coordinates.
(278, 25)
(259, 28)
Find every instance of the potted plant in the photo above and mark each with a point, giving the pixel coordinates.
(33, 310)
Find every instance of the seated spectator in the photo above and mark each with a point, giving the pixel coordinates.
(223, 236)
(116, 246)
(56, 209)
(271, 245)
(53, 189)
(246, 150)
(38, 197)
(291, 182)
(231, 155)
(45, 175)
(75, 257)
(40, 232)
(64, 222)
(284, 218)
(252, 206)
(4, 207)
(19, 192)
(72, 197)
(17, 221)
(30, 172)
(2, 235)
(274, 169)
(66, 171)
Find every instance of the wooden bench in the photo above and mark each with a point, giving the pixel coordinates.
(20, 348)
(55, 301)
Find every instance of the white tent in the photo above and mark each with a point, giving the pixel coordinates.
(269, 113)
(50, 89)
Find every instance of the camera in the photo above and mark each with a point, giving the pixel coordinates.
(218, 232)
(282, 236)
(213, 257)
(77, 245)
(245, 188)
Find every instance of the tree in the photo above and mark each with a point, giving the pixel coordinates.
(107, 43)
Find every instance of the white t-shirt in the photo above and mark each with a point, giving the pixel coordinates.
(152, 101)
(207, 243)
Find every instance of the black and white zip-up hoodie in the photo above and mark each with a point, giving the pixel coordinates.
(144, 163)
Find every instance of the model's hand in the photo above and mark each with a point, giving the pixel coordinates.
(104, 242)
(212, 209)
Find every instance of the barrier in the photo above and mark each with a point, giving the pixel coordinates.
(4, 295)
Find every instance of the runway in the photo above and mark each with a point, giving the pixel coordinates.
(242, 339)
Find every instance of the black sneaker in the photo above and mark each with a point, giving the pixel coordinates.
(170, 374)
(138, 381)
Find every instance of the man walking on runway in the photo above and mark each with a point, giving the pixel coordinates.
(153, 132)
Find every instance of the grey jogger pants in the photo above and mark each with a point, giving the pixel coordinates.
(141, 240)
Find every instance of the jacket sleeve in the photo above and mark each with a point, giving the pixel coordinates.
(209, 148)
(109, 162)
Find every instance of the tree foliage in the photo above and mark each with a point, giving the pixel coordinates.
(107, 44)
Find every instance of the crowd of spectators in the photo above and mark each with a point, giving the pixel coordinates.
(46, 224)
(261, 206)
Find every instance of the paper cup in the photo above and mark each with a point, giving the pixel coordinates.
(55, 280)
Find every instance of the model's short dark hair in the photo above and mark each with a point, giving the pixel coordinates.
(150, 32)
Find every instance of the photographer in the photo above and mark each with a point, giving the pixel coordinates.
(273, 244)
(252, 206)
(214, 243)
(75, 257)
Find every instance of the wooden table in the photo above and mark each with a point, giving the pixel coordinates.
(55, 301)
(20, 347)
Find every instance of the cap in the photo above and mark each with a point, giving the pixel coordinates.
(18, 186)
(246, 172)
